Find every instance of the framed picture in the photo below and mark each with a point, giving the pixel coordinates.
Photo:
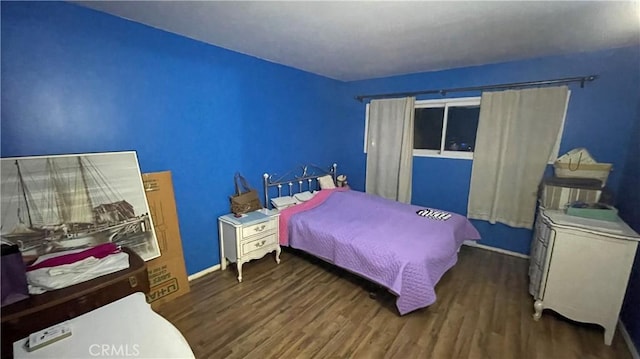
(63, 202)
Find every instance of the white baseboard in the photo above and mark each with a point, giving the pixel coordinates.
(494, 249)
(627, 338)
(203, 272)
(468, 243)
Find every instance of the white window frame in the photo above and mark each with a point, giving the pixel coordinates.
(446, 103)
(463, 101)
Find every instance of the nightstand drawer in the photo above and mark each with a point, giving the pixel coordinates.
(258, 228)
(260, 243)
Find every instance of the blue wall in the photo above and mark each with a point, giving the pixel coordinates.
(600, 117)
(75, 80)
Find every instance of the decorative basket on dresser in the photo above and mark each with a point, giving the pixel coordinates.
(249, 237)
(580, 267)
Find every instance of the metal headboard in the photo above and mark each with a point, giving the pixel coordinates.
(303, 174)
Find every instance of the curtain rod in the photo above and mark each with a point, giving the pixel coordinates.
(567, 80)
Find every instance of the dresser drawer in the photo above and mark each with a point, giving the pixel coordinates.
(535, 275)
(259, 243)
(539, 254)
(258, 228)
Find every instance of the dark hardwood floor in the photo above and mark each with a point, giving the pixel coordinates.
(305, 308)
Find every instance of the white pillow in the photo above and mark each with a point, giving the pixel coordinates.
(326, 182)
(283, 202)
(303, 196)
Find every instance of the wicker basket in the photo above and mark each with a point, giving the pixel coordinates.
(577, 155)
(583, 170)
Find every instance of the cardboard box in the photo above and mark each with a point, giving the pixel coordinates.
(167, 273)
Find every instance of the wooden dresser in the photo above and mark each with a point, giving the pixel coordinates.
(44, 310)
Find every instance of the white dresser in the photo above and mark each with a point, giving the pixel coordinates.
(580, 268)
(248, 237)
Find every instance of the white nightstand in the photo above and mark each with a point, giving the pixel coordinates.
(249, 237)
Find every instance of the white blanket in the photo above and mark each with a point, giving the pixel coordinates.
(45, 279)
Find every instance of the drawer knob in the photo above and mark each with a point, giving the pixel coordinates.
(261, 228)
(261, 243)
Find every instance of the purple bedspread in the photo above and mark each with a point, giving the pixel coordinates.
(383, 241)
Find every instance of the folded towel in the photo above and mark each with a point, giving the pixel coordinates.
(56, 259)
(45, 279)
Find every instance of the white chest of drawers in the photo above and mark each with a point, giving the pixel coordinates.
(249, 237)
(580, 268)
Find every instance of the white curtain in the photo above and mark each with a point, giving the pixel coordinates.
(517, 131)
(390, 148)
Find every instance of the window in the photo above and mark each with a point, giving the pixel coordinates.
(442, 128)
(446, 128)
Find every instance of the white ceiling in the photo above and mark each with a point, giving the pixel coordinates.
(353, 40)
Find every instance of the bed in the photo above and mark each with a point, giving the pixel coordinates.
(404, 248)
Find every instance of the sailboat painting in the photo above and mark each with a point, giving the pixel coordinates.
(63, 202)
